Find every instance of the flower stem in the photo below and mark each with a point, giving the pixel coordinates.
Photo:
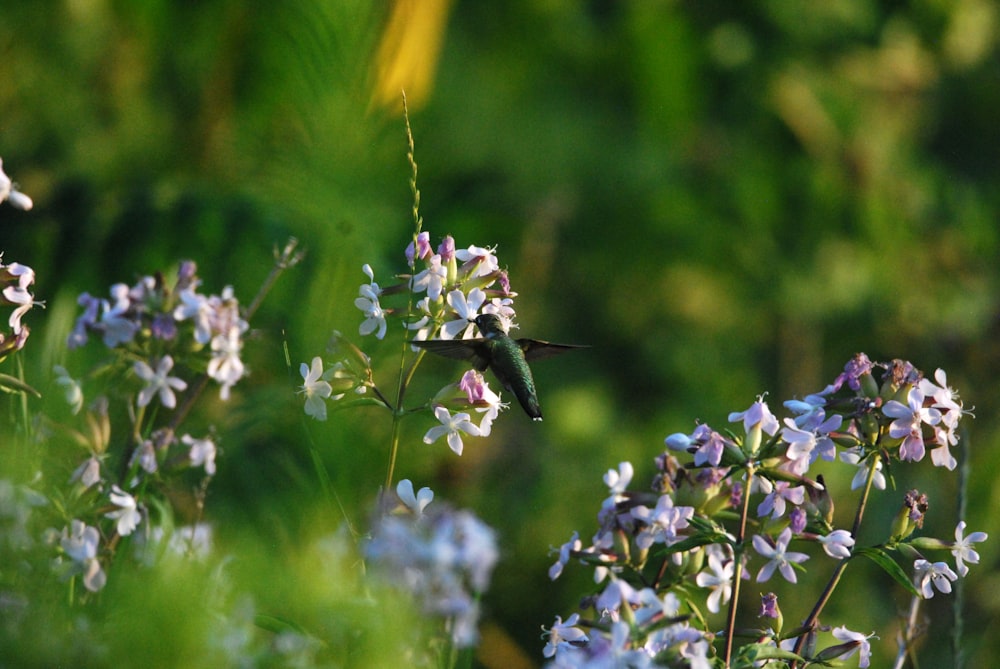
(738, 549)
(285, 259)
(907, 635)
(282, 260)
(405, 375)
(417, 220)
(810, 622)
(958, 602)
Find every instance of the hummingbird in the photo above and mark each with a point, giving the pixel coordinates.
(505, 356)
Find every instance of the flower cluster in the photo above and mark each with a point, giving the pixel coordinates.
(150, 317)
(473, 392)
(453, 294)
(351, 372)
(443, 557)
(80, 541)
(95, 493)
(15, 279)
(656, 553)
(93, 480)
(453, 287)
(161, 334)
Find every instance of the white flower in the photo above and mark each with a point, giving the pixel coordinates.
(369, 305)
(202, 452)
(478, 392)
(423, 325)
(158, 381)
(780, 493)
(225, 365)
(431, 279)
(80, 543)
(805, 445)
(190, 540)
(74, 393)
(938, 574)
(127, 514)
(452, 426)
(563, 635)
(963, 551)
(662, 522)
(689, 643)
(196, 306)
(466, 308)
(653, 608)
(719, 578)
(484, 257)
(9, 192)
(615, 650)
(853, 457)
(838, 544)
(315, 388)
(757, 415)
(444, 558)
(909, 419)
(847, 636)
(619, 479)
(415, 502)
(23, 299)
(118, 327)
(778, 556)
(616, 594)
(565, 552)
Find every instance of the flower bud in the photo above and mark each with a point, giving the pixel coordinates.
(869, 388)
(910, 516)
(769, 609)
(930, 544)
(448, 259)
(819, 498)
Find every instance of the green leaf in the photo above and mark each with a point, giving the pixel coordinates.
(696, 541)
(763, 651)
(889, 566)
(361, 401)
(10, 384)
(788, 477)
(278, 625)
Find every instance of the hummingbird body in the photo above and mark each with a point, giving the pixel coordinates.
(505, 356)
(508, 363)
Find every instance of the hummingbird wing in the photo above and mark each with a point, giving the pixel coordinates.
(475, 351)
(535, 349)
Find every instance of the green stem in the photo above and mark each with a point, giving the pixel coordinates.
(906, 640)
(192, 396)
(738, 571)
(810, 622)
(405, 375)
(958, 601)
(283, 260)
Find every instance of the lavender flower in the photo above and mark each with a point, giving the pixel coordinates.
(443, 557)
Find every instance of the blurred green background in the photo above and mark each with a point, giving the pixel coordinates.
(722, 198)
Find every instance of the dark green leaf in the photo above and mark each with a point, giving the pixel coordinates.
(10, 384)
(889, 566)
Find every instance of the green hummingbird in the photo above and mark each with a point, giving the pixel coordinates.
(505, 356)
